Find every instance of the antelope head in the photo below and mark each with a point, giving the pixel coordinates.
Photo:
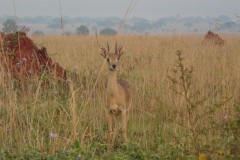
(112, 58)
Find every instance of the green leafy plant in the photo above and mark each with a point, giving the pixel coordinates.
(181, 79)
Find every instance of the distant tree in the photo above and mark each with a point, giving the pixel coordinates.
(159, 24)
(56, 23)
(38, 33)
(141, 25)
(82, 30)
(108, 31)
(9, 26)
(68, 33)
(195, 30)
(188, 24)
(178, 16)
(106, 22)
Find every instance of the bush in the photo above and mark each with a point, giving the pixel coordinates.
(108, 32)
(38, 33)
(82, 30)
(9, 26)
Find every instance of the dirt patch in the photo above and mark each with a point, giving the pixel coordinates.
(23, 59)
(213, 38)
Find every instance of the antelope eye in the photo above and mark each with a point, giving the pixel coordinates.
(108, 59)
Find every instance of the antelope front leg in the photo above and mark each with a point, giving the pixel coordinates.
(110, 127)
(114, 130)
(124, 125)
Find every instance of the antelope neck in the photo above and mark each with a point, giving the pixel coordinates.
(112, 81)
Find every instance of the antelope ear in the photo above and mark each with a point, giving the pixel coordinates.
(103, 52)
(120, 52)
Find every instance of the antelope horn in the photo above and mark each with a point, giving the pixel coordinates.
(116, 47)
(108, 47)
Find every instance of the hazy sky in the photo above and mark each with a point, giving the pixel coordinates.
(151, 9)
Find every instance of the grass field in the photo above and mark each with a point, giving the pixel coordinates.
(181, 109)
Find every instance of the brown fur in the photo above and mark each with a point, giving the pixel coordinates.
(118, 95)
(126, 87)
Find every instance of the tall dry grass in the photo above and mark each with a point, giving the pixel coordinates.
(28, 115)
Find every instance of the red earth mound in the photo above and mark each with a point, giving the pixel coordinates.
(23, 59)
(213, 38)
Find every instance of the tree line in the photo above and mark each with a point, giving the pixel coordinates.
(10, 26)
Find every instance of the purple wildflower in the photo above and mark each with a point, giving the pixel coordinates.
(225, 117)
(79, 157)
(21, 61)
(25, 28)
(53, 135)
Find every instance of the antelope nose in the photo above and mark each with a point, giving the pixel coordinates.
(114, 66)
